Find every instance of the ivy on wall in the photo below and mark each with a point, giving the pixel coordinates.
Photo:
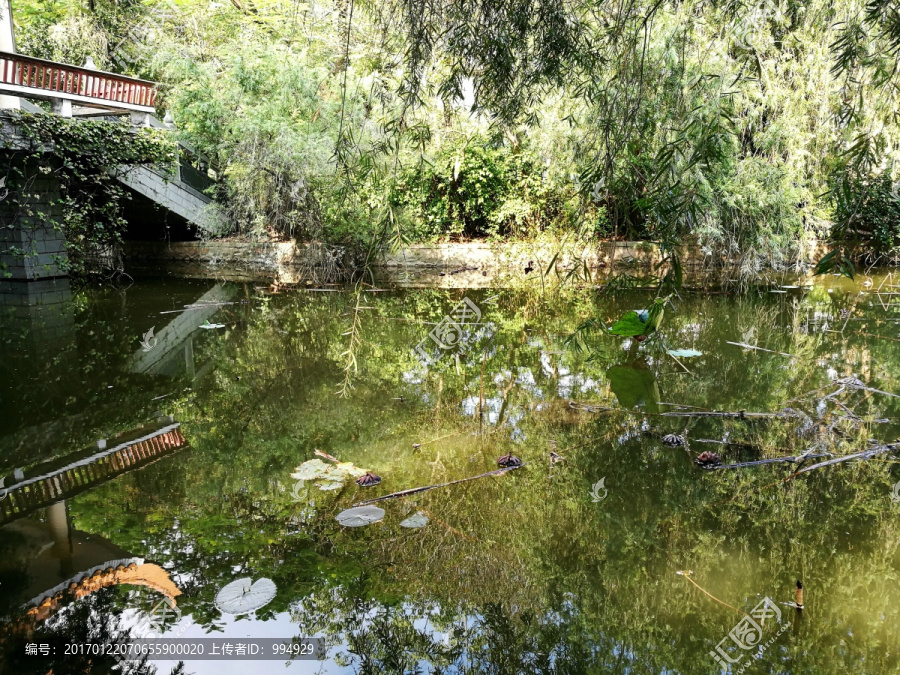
(86, 156)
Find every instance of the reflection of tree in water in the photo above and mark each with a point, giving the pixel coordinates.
(93, 619)
(504, 586)
(398, 637)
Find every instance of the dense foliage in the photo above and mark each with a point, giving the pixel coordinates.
(742, 124)
(85, 157)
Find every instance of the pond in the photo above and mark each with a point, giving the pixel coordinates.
(146, 471)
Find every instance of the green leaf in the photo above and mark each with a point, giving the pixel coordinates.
(630, 325)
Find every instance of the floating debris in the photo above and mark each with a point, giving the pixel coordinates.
(412, 491)
(684, 353)
(673, 440)
(507, 461)
(360, 516)
(415, 521)
(244, 595)
(327, 476)
(368, 479)
(708, 460)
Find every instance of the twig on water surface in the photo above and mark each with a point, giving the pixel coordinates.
(327, 456)
(397, 318)
(682, 405)
(586, 407)
(773, 460)
(687, 575)
(865, 454)
(740, 415)
(439, 438)
(761, 349)
(883, 337)
(412, 491)
(680, 363)
(846, 383)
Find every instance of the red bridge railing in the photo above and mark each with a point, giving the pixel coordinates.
(48, 79)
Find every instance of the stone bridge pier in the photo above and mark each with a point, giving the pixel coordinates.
(31, 246)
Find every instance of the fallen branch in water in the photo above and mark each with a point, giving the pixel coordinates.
(759, 349)
(586, 407)
(412, 491)
(853, 383)
(760, 462)
(740, 415)
(865, 454)
(733, 444)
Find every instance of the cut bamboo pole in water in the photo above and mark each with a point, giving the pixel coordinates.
(759, 349)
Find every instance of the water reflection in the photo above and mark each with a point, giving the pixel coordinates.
(634, 385)
(524, 573)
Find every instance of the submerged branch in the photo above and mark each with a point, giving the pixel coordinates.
(760, 462)
(740, 415)
(865, 454)
(412, 491)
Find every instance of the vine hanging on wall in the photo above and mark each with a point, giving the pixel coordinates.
(87, 157)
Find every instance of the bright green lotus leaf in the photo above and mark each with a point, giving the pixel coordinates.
(630, 325)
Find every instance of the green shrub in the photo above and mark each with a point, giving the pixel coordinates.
(867, 208)
(471, 189)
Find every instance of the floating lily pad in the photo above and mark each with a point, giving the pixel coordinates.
(684, 353)
(414, 521)
(327, 476)
(311, 470)
(244, 595)
(328, 486)
(360, 516)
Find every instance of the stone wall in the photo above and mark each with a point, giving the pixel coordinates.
(30, 247)
(436, 259)
(262, 255)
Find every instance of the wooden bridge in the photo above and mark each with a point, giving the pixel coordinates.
(73, 474)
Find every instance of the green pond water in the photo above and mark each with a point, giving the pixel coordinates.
(564, 567)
